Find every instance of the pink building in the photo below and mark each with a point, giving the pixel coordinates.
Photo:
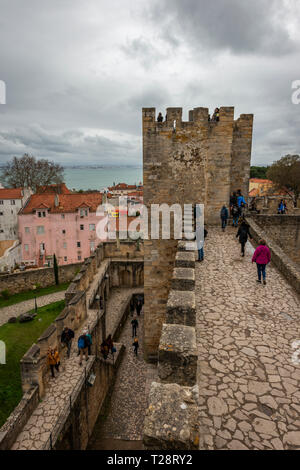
(60, 224)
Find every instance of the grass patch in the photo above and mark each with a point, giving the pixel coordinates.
(18, 338)
(16, 298)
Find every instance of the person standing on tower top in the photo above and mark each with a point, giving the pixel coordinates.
(160, 118)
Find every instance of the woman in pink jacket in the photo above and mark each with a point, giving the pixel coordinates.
(262, 257)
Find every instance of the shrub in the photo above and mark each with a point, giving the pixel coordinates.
(5, 294)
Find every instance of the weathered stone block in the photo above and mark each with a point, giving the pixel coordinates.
(183, 279)
(181, 308)
(172, 418)
(185, 259)
(177, 355)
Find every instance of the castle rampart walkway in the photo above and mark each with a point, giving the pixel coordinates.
(248, 384)
(44, 419)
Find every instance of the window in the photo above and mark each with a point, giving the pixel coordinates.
(41, 214)
(92, 227)
(83, 212)
(40, 229)
(1, 202)
(1, 231)
(79, 257)
(81, 227)
(13, 202)
(62, 216)
(92, 246)
(26, 247)
(27, 229)
(65, 258)
(1, 213)
(78, 244)
(64, 232)
(65, 245)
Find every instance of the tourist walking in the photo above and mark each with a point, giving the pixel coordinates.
(224, 217)
(243, 234)
(53, 360)
(201, 246)
(235, 215)
(83, 346)
(134, 324)
(282, 207)
(110, 344)
(139, 307)
(89, 336)
(104, 348)
(66, 339)
(262, 257)
(135, 345)
(132, 306)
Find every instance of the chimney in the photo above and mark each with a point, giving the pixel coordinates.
(56, 200)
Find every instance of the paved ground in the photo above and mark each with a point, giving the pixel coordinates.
(127, 408)
(248, 384)
(23, 307)
(37, 430)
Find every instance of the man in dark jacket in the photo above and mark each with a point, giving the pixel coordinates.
(134, 324)
(243, 234)
(66, 338)
(224, 217)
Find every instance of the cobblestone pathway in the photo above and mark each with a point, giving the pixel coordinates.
(248, 385)
(23, 307)
(37, 430)
(129, 397)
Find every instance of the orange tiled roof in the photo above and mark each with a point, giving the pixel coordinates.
(254, 192)
(122, 186)
(67, 202)
(53, 189)
(11, 193)
(136, 193)
(258, 180)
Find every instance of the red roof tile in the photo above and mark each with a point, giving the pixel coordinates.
(53, 189)
(11, 193)
(67, 202)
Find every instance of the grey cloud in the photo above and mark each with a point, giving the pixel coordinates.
(236, 25)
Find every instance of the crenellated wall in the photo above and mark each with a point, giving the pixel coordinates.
(197, 161)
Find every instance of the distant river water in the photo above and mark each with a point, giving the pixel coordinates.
(98, 178)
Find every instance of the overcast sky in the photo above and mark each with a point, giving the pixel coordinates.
(78, 72)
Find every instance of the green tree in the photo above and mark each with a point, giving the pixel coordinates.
(285, 173)
(55, 268)
(258, 172)
(29, 172)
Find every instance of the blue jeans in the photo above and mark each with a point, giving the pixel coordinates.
(200, 254)
(261, 270)
(236, 221)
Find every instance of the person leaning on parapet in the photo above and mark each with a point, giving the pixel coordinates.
(66, 339)
(160, 118)
(216, 115)
(243, 234)
(262, 257)
(224, 217)
(282, 207)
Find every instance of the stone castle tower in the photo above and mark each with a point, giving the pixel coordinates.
(197, 161)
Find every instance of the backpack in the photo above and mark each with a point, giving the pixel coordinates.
(81, 342)
(224, 212)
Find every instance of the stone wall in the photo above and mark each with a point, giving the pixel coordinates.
(172, 416)
(95, 278)
(282, 261)
(190, 162)
(44, 277)
(269, 204)
(284, 230)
